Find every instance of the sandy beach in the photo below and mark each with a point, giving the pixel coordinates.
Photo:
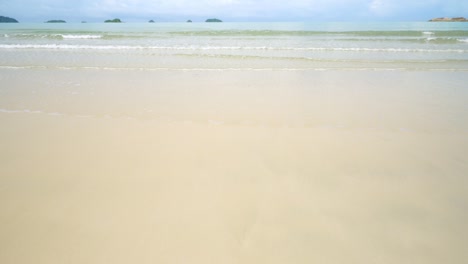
(126, 167)
(233, 143)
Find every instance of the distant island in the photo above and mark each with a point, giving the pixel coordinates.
(56, 21)
(115, 20)
(448, 19)
(213, 20)
(7, 20)
(151, 21)
(189, 21)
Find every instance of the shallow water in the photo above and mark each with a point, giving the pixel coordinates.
(218, 147)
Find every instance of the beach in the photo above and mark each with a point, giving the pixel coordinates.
(234, 143)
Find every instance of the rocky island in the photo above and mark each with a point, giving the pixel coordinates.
(7, 20)
(56, 21)
(115, 20)
(213, 20)
(448, 19)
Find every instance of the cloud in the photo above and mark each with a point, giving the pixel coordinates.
(318, 10)
(380, 7)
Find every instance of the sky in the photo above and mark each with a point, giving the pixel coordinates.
(232, 10)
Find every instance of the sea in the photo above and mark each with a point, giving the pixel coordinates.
(234, 143)
(236, 46)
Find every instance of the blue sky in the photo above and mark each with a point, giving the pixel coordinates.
(232, 10)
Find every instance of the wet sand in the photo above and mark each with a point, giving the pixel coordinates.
(233, 166)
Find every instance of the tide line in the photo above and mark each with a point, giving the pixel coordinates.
(71, 68)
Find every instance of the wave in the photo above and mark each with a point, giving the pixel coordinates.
(315, 59)
(28, 111)
(421, 40)
(54, 36)
(81, 35)
(235, 33)
(136, 47)
(67, 36)
(390, 33)
(435, 40)
(73, 68)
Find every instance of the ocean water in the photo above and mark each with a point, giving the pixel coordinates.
(234, 143)
(283, 46)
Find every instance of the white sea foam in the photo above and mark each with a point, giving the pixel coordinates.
(68, 36)
(235, 69)
(64, 46)
(29, 111)
(64, 36)
(463, 40)
(9, 111)
(428, 33)
(123, 47)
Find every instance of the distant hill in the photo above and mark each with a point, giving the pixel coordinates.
(115, 20)
(56, 21)
(189, 21)
(7, 20)
(213, 20)
(448, 19)
(151, 21)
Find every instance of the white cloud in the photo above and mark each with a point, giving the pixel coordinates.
(235, 9)
(381, 7)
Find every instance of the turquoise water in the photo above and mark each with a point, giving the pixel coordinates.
(320, 46)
